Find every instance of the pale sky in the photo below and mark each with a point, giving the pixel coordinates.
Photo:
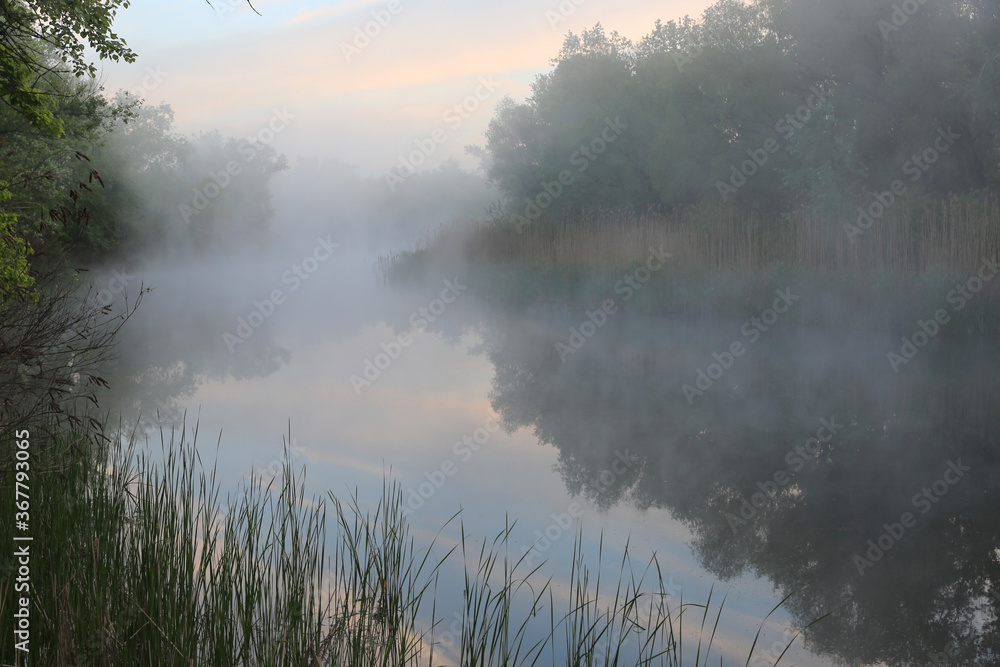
(227, 68)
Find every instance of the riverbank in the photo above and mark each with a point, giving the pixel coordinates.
(908, 263)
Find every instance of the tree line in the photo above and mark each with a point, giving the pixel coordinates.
(765, 105)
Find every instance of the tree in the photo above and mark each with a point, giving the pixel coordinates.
(54, 182)
(14, 253)
(765, 104)
(31, 30)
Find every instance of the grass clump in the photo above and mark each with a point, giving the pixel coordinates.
(137, 560)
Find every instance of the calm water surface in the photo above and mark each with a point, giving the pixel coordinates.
(805, 464)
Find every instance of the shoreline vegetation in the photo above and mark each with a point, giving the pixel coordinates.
(136, 557)
(914, 259)
(137, 560)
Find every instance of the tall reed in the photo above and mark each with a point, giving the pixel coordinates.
(952, 235)
(136, 560)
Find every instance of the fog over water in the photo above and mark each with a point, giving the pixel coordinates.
(806, 452)
(803, 464)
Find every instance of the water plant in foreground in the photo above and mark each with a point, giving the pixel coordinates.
(137, 560)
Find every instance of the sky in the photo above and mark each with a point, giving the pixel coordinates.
(305, 76)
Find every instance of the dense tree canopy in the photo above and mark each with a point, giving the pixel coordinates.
(770, 104)
(86, 174)
(44, 39)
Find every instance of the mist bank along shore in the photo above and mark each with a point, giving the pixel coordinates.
(917, 259)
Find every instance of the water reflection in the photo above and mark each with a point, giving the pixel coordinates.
(174, 342)
(202, 323)
(808, 461)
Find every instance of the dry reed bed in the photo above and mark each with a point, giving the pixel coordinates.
(952, 236)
